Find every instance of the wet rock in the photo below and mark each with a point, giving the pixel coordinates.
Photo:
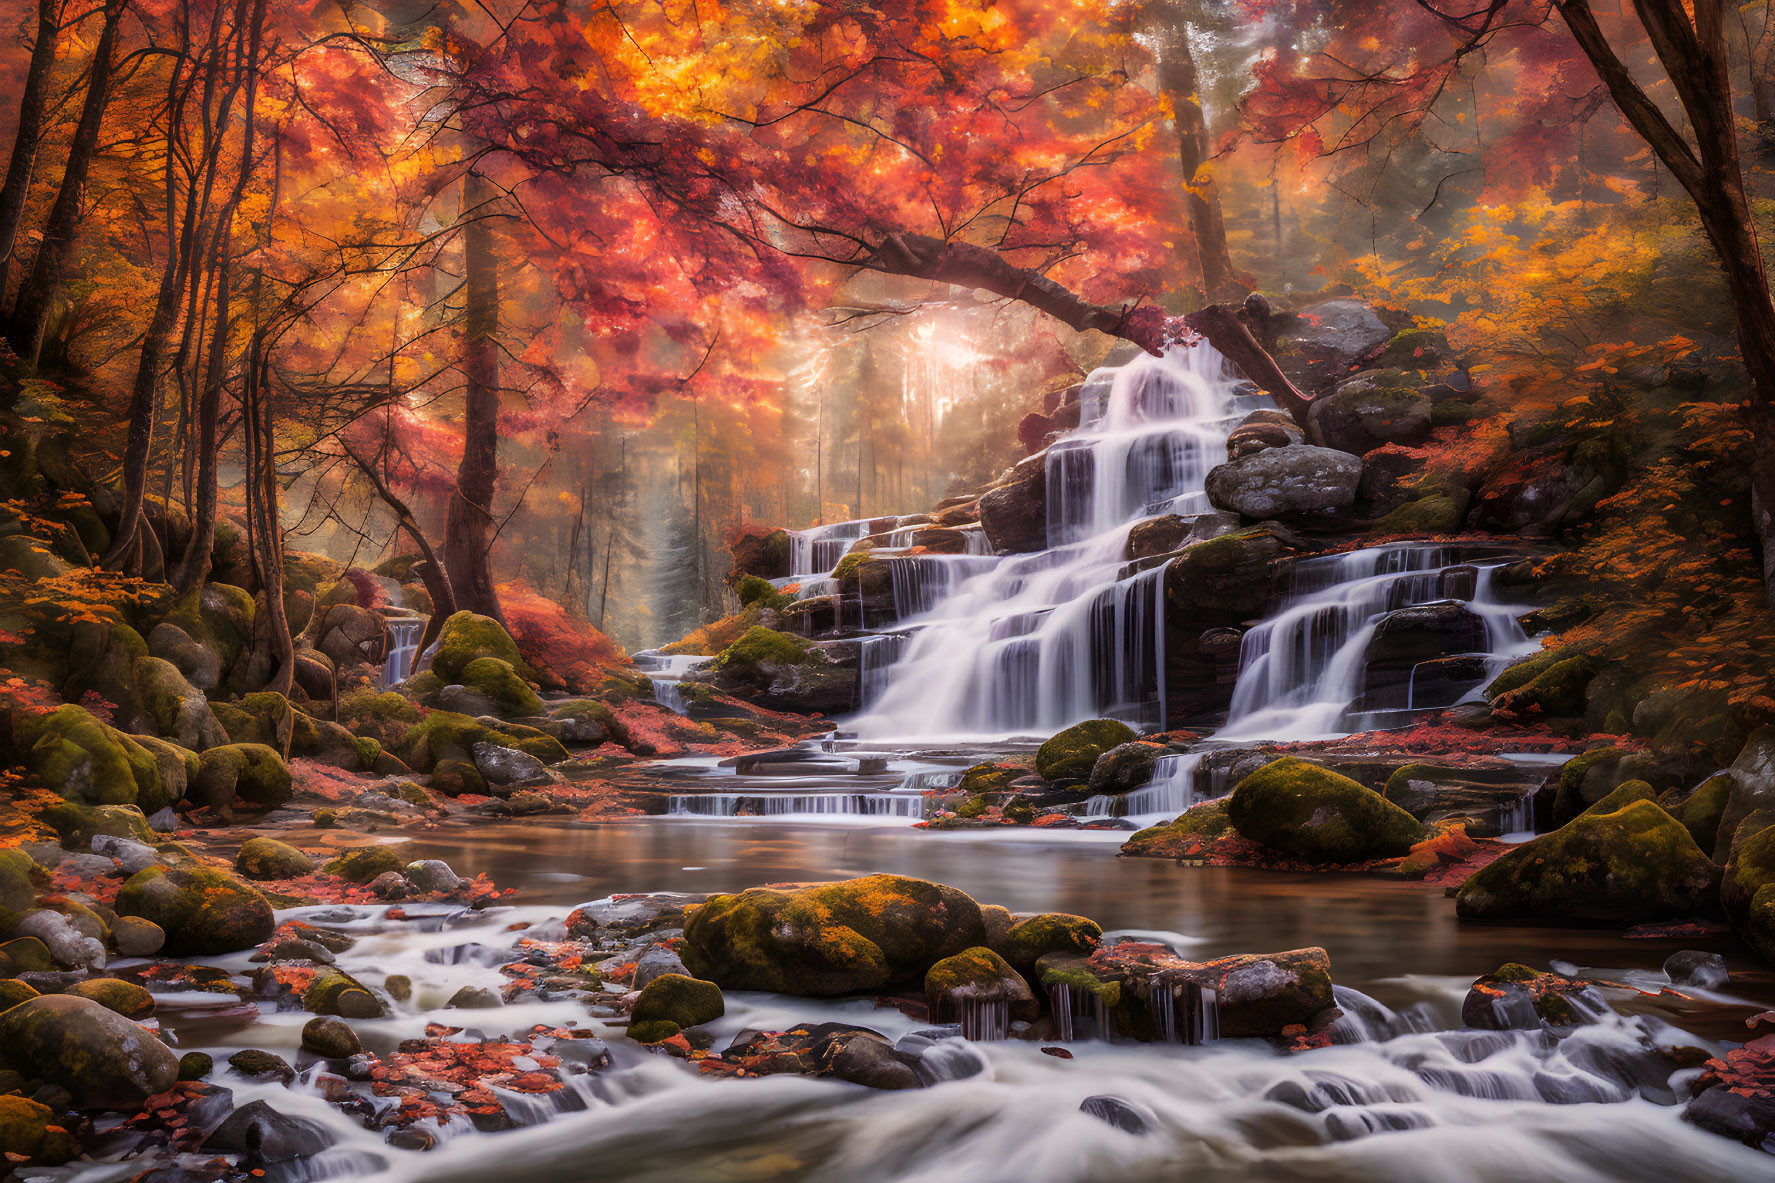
(980, 990)
(1259, 995)
(1692, 967)
(1702, 809)
(854, 1054)
(1229, 579)
(1261, 430)
(365, 864)
(1125, 767)
(1753, 788)
(1407, 639)
(1359, 418)
(261, 1065)
(202, 912)
(1632, 865)
(66, 943)
(1070, 755)
(655, 961)
(1747, 892)
(330, 1038)
(466, 637)
(335, 992)
(195, 1065)
(16, 890)
(253, 772)
(835, 938)
(680, 1001)
(1286, 482)
(1313, 813)
(782, 672)
(1516, 997)
(444, 735)
(627, 917)
(13, 992)
(71, 753)
(267, 858)
(499, 765)
(1014, 513)
(262, 1134)
(494, 680)
(33, 1132)
(124, 998)
(131, 856)
(390, 885)
(1591, 777)
(1321, 344)
(25, 954)
(763, 553)
(102, 1059)
(432, 876)
(1115, 1112)
(1030, 939)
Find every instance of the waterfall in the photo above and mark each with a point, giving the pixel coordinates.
(667, 672)
(892, 804)
(816, 551)
(1302, 669)
(1170, 791)
(876, 655)
(403, 647)
(1035, 642)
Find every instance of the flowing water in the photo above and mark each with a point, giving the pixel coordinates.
(666, 672)
(403, 648)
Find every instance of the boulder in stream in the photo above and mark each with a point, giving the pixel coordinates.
(104, 1060)
(201, 911)
(1070, 755)
(1315, 814)
(1296, 481)
(1150, 993)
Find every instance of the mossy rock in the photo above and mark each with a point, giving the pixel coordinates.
(13, 992)
(178, 709)
(1436, 514)
(1702, 810)
(1069, 756)
(178, 766)
(125, 998)
(454, 778)
(335, 992)
(196, 1065)
(1493, 1000)
(1312, 813)
(1747, 890)
(446, 735)
(71, 753)
(1551, 685)
(988, 778)
(834, 938)
(755, 590)
(1232, 578)
(16, 890)
(465, 637)
(1589, 778)
(255, 1063)
(365, 864)
(1034, 937)
(34, 1132)
(102, 1059)
(1416, 349)
(1635, 864)
(760, 647)
(1205, 822)
(653, 1031)
(202, 912)
(382, 715)
(496, 681)
(253, 772)
(25, 955)
(684, 1001)
(77, 825)
(267, 858)
(975, 976)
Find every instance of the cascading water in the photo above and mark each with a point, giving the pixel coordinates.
(816, 551)
(403, 647)
(1039, 641)
(667, 673)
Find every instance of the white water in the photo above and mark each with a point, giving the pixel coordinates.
(403, 647)
(1036, 642)
(667, 671)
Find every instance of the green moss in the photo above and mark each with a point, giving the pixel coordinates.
(1034, 937)
(1701, 812)
(972, 807)
(1070, 755)
(16, 892)
(267, 858)
(1623, 795)
(1204, 822)
(196, 1065)
(1313, 813)
(465, 637)
(1415, 349)
(1568, 800)
(383, 715)
(495, 680)
(35, 1132)
(76, 824)
(13, 992)
(73, 754)
(123, 998)
(681, 1000)
(760, 646)
(1080, 981)
(445, 735)
(202, 912)
(1436, 514)
(653, 1031)
(1635, 864)
(977, 974)
(753, 589)
(365, 864)
(1452, 413)
(253, 772)
(335, 992)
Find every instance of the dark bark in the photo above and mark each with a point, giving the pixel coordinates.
(31, 103)
(1179, 83)
(1694, 55)
(468, 528)
(431, 569)
(36, 297)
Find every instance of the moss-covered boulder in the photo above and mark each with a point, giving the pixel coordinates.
(382, 715)
(1702, 810)
(16, 890)
(1546, 688)
(1623, 795)
(1516, 996)
(253, 772)
(125, 998)
(177, 766)
(1439, 513)
(335, 992)
(1034, 937)
(1069, 756)
(1753, 789)
(1747, 891)
(1589, 778)
(135, 937)
(267, 858)
(1635, 864)
(958, 988)
(365, 864)
(1125, 767)
(1202, 823)
(833, 938)
(782, 672)
(1227, 580)
(1312, 813)
(69, 752)
(763, 554)
(104, 1060)
(445, 735)
(496, 681)
(13, 992)
(465, 637)
(179, 710)
(77, 825)
(33, 1132)
(202, 912)
(679, 1000)
(1359, 418)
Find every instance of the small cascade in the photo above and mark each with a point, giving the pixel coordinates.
(894, 804)
(980, 1018)
(403, 648)
(667, 671)
(876, 656)
(1518, 817)
(1184, 1011)
(1170, 791)
(1301, 669)
(1078, 1014)
(923, 581)
(816, 551)
(812, 587)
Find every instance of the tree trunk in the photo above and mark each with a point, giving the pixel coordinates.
(468, 526)
(432, 572)
(30, 129)
(36, 297)
(1180, 85)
